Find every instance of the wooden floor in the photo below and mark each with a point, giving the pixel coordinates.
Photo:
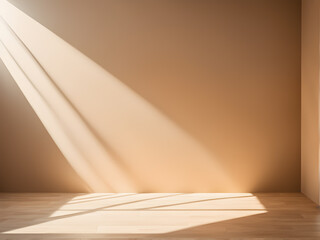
(158, 216)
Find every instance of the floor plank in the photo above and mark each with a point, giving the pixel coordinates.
(158, 216)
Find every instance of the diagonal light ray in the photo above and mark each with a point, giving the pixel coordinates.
(103, 120)
(37, 96)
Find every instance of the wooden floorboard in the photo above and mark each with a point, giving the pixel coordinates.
(158, 216)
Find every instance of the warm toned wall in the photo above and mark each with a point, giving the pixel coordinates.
(226, 72)
(29, 159)
(310, 99)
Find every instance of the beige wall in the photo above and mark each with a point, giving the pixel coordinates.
(29, 159)
(214, 87)
(310, 99)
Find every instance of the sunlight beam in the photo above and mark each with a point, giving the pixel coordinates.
(113, 137)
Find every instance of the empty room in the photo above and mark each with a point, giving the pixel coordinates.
(159, 119)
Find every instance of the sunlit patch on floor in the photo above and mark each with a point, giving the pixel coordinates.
(129, 213)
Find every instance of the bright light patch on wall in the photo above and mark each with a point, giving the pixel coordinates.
(113, 138)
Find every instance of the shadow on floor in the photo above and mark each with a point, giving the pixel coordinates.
(200, 216)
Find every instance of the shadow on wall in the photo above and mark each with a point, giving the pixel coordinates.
(76, 105)
(183, 67)
(29, 159)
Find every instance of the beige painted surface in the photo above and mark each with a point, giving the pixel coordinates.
(310, 99)
(29, 159)
(190, 97)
